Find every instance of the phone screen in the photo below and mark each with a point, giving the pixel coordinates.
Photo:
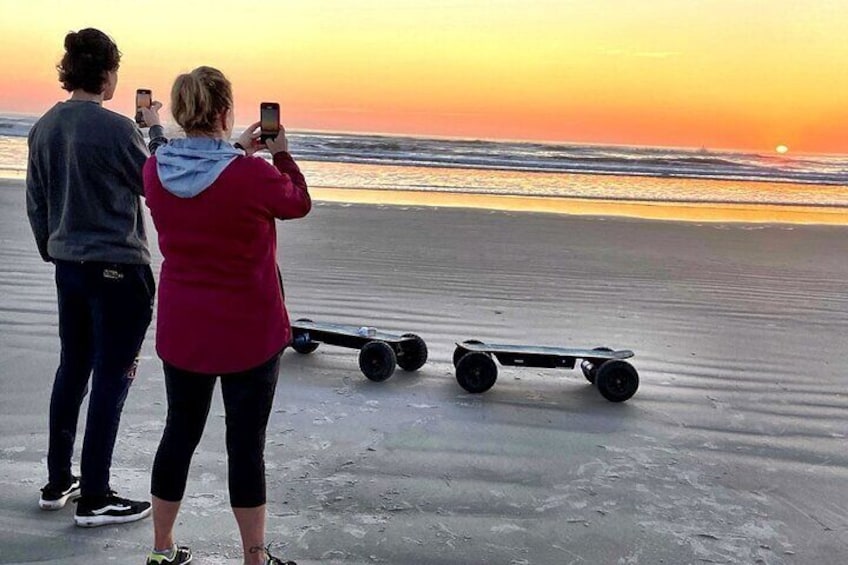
(143, 99)
(270, 118)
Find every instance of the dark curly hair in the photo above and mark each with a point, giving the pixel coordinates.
(89, 55)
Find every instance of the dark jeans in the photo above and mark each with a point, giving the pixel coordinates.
(248, 397)
(104, 312)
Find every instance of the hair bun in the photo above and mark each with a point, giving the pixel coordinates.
(86, 41)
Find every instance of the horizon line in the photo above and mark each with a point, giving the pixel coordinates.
(527, 141)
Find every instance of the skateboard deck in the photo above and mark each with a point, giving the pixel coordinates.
(328, 333)
(615, 378)
(542, 356)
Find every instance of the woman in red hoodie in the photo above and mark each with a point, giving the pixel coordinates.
(221, 310)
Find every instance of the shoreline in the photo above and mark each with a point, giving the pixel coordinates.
(673, 211)
(640, 209)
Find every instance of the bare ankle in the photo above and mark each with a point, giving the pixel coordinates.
(256, 555)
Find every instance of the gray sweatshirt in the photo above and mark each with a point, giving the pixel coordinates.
(84, 183)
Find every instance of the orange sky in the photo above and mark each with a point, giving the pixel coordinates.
(746, 74)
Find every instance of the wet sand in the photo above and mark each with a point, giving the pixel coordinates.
(643, 209)
(732, 450)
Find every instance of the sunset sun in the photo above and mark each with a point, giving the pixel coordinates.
(782, 149)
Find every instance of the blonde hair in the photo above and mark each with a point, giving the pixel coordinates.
(198, 98)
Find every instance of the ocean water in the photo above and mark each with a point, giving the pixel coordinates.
(555, 170)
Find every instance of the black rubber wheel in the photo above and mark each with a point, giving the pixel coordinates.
(589, 367)
(413, 353)
(302, 344)
(460, 351)
(617, 380)
(476, 372)
(377, 360)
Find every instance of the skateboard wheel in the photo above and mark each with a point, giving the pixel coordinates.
(460, 351)
(301, 343)
(617, 380)
(476, 372)
(377, 360)
(590, 366)
(413, 353)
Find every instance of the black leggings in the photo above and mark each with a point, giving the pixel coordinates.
(248, 397)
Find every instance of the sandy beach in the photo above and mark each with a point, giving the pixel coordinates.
(732, 451)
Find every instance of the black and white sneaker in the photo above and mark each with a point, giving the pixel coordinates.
(104, 510)
(55, 498)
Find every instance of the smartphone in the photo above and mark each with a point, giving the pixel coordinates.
(269, 117)
(143, 99)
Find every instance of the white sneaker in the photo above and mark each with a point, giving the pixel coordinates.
(55, 498)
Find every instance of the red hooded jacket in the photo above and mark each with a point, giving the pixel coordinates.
(221, 309)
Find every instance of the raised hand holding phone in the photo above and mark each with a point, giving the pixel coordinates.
(269, 118)
(272, 135)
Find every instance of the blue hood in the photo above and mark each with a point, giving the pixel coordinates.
(189, 166)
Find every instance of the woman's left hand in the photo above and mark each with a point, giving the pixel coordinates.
(250, 139)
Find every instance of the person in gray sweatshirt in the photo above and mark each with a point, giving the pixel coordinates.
(83, 200)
